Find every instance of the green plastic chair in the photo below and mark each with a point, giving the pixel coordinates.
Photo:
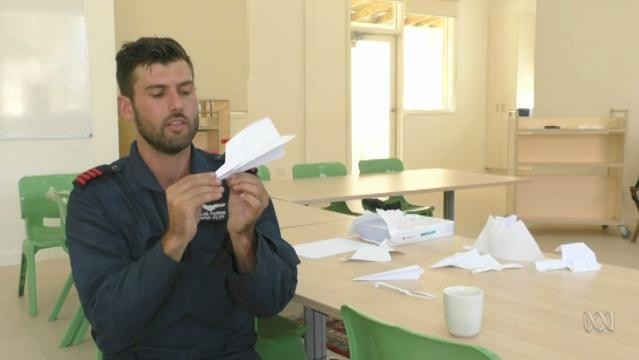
(321, 170)
(263, 173)
(373, 166)
(372, 339)
(79, 325)
(280, 338)
(34, 208)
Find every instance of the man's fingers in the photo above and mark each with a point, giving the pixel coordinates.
(194, 180)
(197, 196)
(253, 201)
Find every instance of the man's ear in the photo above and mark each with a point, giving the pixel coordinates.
(125, 107)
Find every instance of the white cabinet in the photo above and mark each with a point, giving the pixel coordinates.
(575, 170)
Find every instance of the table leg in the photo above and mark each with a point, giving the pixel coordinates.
(315, 338)
(449, 205)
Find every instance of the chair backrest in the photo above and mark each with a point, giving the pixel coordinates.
(321, 169)
(372, 339)
(61, 199)
(34, 204)
(371, 166)
(263, 173)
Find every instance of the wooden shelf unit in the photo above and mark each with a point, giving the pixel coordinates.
(575, 172)
(215, 128)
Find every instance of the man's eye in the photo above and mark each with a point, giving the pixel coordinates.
(157, 95)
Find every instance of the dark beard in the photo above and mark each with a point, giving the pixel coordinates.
(160, 143)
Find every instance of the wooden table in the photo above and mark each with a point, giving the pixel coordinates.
(353, 187)
(527, 314)
(291, 214)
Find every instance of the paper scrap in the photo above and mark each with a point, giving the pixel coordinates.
(325, 248)
(371, 252)
(406, 273)
(577, 257)
(255, 145)
(474, 261)
(508, 238)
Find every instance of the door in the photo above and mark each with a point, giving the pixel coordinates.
(502, 88)
(373, 115)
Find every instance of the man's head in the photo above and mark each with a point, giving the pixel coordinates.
(155, 77)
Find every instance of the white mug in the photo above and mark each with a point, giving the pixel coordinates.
(463, 309)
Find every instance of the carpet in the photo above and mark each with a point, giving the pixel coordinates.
(336, 337)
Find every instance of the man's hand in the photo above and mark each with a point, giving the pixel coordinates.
(184, 201)
(247, 201)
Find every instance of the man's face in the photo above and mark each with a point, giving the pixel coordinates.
(165, 106)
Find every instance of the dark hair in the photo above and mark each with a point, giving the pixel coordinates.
(146, 51)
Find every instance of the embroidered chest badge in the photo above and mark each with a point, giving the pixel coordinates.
(213, 212)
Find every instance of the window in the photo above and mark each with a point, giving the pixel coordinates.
(428, 63)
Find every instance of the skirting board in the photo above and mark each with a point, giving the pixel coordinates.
(11, 258)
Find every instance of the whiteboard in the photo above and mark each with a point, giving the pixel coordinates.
(44, 70)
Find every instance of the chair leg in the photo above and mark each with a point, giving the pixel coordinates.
(23, 275)
(82, 332)
(635, 234)
(32, 291)
(61, 298)
(73, 328)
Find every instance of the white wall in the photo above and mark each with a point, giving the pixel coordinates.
(32, 157)
(456, 140)
(586, 63)
(276, 73)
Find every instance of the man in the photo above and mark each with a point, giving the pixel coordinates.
(169, 261)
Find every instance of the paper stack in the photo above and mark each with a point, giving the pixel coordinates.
(508, 238)
(400, 228)
(255, 145)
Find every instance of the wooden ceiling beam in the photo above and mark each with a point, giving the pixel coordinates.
(388, 16)
(370, 10)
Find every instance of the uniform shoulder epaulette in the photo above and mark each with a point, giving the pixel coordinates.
(94, 173)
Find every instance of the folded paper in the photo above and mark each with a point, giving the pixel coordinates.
(372, 252)
(325, 248)
(255, 145)
(474, 261)
(413, 272)
(508, 238)
(577, 257)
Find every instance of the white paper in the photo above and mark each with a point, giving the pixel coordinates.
(255, 145)
(372, 252)
(474, 261)
(325, 248)
(413, 272)
(577, 257)
(369, 252)
(508, 238)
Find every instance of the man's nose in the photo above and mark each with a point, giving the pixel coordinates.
(175, 101)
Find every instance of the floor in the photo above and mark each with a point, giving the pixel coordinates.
(35, 338)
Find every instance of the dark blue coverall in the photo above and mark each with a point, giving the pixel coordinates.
(142, 304)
